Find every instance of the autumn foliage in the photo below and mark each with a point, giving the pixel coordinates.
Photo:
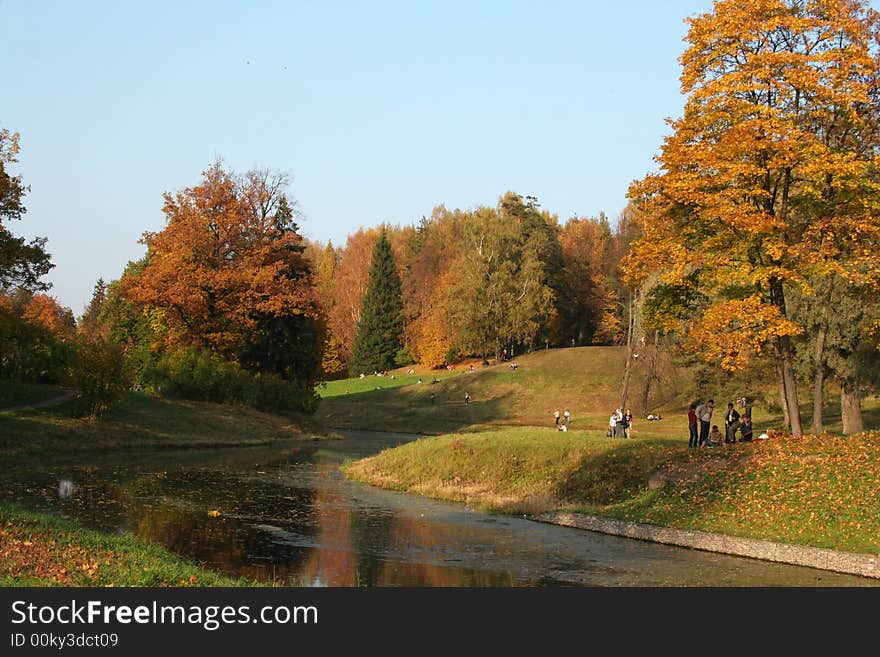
(771, 169)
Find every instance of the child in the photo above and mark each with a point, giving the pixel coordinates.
(716, 438)
(745, 428)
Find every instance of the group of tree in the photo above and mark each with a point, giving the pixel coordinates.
(470, 283)
(754, 252)
(221, 307)
(761, 227)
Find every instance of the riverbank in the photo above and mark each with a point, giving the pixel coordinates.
(145, 422)
(813, 491)
(41, 550)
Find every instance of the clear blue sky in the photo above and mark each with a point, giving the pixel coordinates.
(379, 110)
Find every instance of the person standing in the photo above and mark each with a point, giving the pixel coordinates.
(704, 415)
(627, 423)
(467, 398)
(692, 426)
(731, 424)
(566, 417)
(556, 416)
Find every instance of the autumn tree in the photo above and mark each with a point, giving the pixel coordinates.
(228, 259)
(380, 328)
(350, 278)
(775, 154)
(22, 263)
(44, 310)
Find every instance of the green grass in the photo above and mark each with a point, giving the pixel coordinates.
(368, 384)
(19, 393)
(585, 380)
(41, 550)
(819, 491)
(142, 421)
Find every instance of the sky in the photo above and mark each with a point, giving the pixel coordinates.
(379, 111)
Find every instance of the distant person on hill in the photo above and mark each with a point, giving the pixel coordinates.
(562, 427)
(467, 398)
(556, 416)
(745, 428)
(566, 417)
(692, 426)
(433, 397)
(715, 437)
(627, 423)
(612, 425)
(704, 415)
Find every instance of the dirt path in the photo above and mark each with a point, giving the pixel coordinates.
(55, 401)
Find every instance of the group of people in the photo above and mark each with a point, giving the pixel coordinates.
(620, 423)
(700, 419)
(562, 420)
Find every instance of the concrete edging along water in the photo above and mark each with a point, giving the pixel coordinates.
(866, 565)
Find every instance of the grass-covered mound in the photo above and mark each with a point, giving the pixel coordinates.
(40, 550)
(149, 422)
(585, 380)
(820, 491)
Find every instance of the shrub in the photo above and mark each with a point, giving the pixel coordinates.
(97, 371)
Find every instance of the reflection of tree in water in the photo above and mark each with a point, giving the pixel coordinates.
(433, 536)
(372, 537)
(234, 542)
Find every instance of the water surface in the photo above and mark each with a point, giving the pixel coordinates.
(287, 515)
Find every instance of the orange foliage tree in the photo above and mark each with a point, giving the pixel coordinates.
(228, 260)
(774, 156)
(44, 310)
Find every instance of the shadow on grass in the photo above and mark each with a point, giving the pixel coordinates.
(390, 410)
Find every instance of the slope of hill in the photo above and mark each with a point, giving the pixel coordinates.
(585, 380)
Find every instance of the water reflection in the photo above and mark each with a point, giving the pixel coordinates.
(286, 515)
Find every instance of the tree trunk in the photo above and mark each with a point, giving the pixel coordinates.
(627, 372)
(651, 375)
(819, 364)
(785, 369)
(850, 408)
(782, 399)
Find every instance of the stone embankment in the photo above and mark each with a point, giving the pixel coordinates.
(866, 565)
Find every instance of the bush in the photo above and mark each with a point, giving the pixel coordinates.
(97, 371)
(199, 375)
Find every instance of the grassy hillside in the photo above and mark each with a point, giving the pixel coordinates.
(145, 421)
(585, 380)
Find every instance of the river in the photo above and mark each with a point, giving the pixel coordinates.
(285, 514)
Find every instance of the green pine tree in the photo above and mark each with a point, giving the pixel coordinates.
(381, 325)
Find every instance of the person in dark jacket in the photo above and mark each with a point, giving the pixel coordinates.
(692, 426)
(731, 424)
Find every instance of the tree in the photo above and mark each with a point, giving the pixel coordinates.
(22, 263)
(229, 258)
(498, 293)
(350, 277)
(775, 154)
(380, 328)
(90, 322)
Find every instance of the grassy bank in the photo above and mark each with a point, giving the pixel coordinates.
(142, 421)
(39, 550)
(819, 491)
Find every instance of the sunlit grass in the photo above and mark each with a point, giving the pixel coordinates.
(819, 491)
(41, 550)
